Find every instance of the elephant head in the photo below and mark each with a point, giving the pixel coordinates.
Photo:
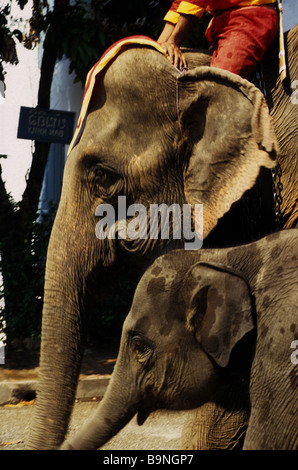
(197, 325)
(152, 136)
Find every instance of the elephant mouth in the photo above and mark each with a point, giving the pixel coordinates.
(142, 415)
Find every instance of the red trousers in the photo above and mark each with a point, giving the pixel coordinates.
(241, 37)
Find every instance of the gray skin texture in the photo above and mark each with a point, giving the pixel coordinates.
(199, 318)
(155, 136)
(282, 101)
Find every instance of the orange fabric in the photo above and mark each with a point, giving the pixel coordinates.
(197, 7)
(103, 62)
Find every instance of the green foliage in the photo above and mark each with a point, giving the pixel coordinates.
(79, 38)
(110, 304)
(82, 31)
(22, 265)
(83, 34)
(8, 39)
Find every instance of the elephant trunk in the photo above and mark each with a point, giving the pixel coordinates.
(58, 375)
(119, 405)
(61, 344)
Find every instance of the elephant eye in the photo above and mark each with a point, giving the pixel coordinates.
(99, 174)
(105, 177)
(141, 348)
(104, 182)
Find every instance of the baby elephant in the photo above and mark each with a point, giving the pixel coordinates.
(198, 319)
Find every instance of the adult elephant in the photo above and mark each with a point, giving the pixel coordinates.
(154, 136)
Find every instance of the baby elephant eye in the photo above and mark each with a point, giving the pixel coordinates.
(141, 348)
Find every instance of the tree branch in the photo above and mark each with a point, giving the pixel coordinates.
(7, 213)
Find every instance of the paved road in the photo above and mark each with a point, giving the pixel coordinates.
(161, 431)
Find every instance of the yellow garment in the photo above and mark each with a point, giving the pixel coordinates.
(192, 8)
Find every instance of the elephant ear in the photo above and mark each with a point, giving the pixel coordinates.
(227, 123)
(220, 309)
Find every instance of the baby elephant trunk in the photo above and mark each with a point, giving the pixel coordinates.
(117, 408)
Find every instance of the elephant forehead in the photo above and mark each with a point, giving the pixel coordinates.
(127, 114)
(160, 280)
(156, 305)
(157, 321)
(121, 136)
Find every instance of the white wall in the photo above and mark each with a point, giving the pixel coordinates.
(290, 14)
(21, 90)
(22, 83)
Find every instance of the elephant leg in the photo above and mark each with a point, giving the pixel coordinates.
(219, 424)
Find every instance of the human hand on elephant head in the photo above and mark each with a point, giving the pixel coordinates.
(172, 37)
(175, 54)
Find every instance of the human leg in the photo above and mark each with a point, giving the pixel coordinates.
(242, 36)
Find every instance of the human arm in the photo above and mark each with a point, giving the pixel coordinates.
(180, 19)
(172, 37)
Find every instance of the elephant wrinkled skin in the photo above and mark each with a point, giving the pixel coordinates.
(199, 320)
(282, 100)
(155, 136)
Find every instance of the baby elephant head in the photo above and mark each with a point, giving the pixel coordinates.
(181, 331)
(176, 342)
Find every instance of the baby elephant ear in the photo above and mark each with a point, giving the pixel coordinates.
(221, 311)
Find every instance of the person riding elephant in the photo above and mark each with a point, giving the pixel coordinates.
(240, 32)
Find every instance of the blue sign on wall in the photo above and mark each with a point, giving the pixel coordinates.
(46, 125)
